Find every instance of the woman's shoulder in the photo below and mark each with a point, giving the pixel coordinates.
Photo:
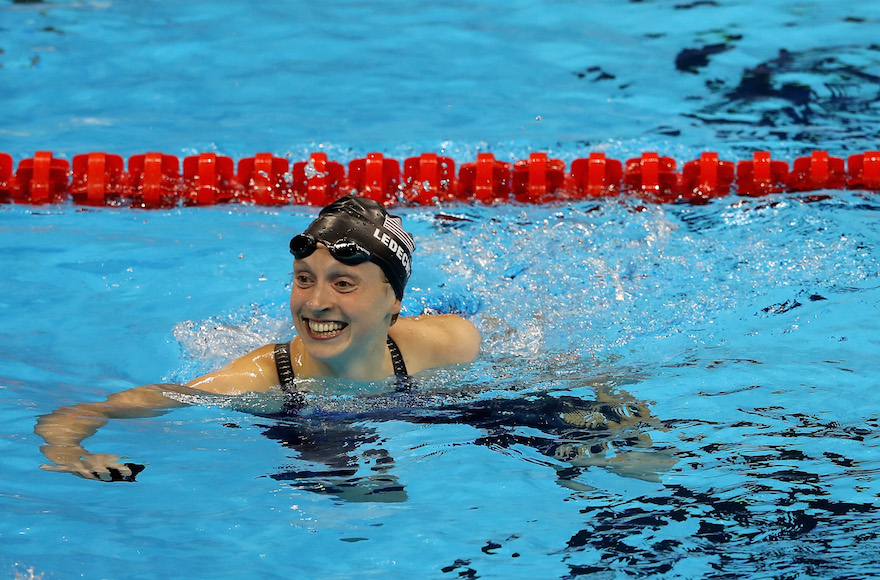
(435, 340)
(254, 371)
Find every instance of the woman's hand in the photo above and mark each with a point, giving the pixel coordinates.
(98, 466)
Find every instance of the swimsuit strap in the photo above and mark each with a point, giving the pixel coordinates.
(396, 358)
(284, 367)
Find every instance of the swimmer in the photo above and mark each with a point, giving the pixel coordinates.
(350, 270)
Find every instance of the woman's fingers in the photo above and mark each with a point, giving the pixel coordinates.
(99, 466)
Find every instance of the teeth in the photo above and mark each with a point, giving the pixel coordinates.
(319, 326)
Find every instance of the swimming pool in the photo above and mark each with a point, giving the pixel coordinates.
(664, 390)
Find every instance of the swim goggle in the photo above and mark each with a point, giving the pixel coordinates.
(346, 251)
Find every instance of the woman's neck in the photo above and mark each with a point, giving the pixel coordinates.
(371, 364)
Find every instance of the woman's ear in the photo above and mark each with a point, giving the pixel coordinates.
(395, 311)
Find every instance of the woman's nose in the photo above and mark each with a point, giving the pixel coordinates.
(320, 298)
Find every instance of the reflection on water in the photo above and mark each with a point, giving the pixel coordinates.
(342, 454)
(807, 508)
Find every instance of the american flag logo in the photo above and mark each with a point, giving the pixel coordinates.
(395, 226)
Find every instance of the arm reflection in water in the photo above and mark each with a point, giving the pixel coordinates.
(343, 456)
(610, 432)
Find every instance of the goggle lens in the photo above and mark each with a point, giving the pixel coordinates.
(345, 251)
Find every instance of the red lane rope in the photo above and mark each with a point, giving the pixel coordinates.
(155, 180)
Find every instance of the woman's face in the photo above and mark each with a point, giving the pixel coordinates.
(340, 312)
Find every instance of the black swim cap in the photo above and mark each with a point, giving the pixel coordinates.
(365, 223)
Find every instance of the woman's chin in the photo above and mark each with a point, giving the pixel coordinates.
(323, 348)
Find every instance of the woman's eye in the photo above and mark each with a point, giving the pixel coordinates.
(344, 285)
(302, 280)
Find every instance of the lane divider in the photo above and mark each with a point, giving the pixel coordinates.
(156, 180)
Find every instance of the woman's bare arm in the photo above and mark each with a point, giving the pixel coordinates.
(65, 429)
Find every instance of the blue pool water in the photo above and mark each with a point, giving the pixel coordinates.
(664, 390)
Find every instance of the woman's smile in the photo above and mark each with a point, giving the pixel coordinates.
(324, 329)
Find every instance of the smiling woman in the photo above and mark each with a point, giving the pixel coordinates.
(351, 267)
(350, 270)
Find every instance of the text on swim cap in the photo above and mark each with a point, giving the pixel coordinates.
(395, 248)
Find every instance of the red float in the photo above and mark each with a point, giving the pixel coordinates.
(7, 180)
(486, 181)
(864, 170)
(41, 179)
(208, 178)
(375, 177)
(98, 179)
(761, 176)
(317, 181)
(428, 179)
(265, 179)
(818, 171)
(538, 179)
(154, 180)
(596, 176)
(706, 178)
(652, 178)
